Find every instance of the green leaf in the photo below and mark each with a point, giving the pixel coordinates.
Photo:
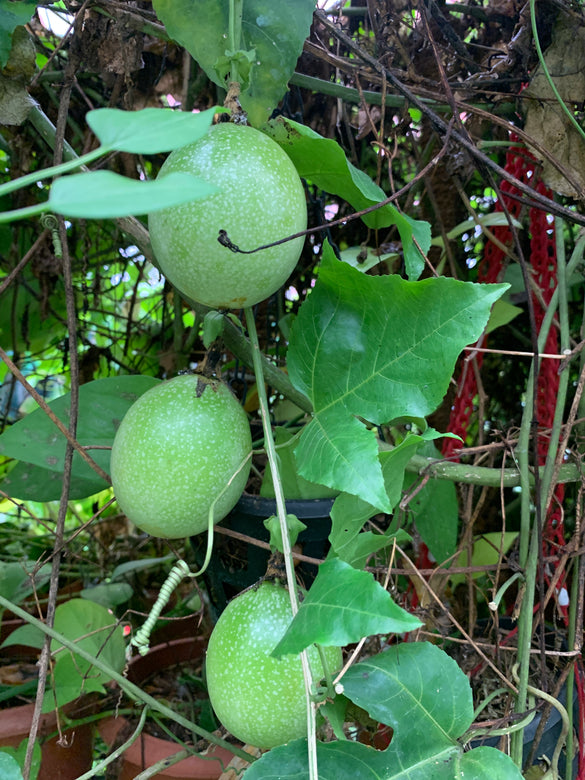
(33, 483)
(487, 763)
(109, 595)
(18, 579)
(418, 690)
(349, 513)
(323, 162)
(105, 194)
(347, 760)
(19, 754)
(93, 628)
(275, 31)
(342, 760)
(102, 405)
(365, 258)
(149, 131)
(342, 606)
(242, 60)
(213, 325)
(435, 511)
(27, 635)
(293, 485)
(11, 15)
(9, 766)
(375, 349)
(488, 549)
(502, 313)
(130, 567)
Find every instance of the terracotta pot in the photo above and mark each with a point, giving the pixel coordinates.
(10, 622)
(147, 750)
(58, 762)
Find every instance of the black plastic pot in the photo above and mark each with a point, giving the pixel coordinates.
(236, 564)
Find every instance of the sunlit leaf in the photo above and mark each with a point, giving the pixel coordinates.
(149, 131)
(105, 194)
(376, 349)
(342, 606)
(9, 767)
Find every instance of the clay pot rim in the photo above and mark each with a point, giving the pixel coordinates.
(153, 749)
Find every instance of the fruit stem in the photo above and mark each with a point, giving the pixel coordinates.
(286, 549)
(235, 33)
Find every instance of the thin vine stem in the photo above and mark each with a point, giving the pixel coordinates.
(99, 768)
(547, 73)
(281, 514)
(530, 532)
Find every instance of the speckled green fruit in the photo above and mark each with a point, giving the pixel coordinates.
(260, 200)
(258, 698)
(174, 454)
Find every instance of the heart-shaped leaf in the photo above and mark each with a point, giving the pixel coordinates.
(36, 440)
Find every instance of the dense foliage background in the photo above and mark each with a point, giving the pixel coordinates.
(453, 109)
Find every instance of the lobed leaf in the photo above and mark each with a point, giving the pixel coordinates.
(349, 512)
(342, 606)
(345, 760)
(375, 349)
(105, 194)
(418, 690)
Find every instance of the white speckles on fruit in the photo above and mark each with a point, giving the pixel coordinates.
(174, 453)
(261, 200)
(258, 698)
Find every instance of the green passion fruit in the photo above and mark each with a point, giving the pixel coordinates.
(182, 447)
(260, 199)
(258, 698)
